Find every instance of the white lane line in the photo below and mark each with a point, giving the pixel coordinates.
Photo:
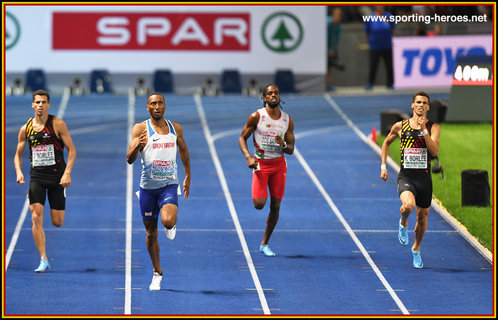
(435, 205)
(17, 231)
(231, 207)
(226, 133)
(346, 225)
(24, 211)
(96, 128)
(129, 206)
(350, 231)
(64, 102)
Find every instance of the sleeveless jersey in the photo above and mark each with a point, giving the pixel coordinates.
(265, 146)
(46, 151)
(414, 152)
(159, 167)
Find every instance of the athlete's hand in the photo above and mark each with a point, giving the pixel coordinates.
(422, 121)
(142, 140)
(65, 180)
(252, 163)
(383, 174)
(20, 178)
(186, 187)
(280, 140)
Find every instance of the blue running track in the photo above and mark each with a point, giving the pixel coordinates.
(336, 240)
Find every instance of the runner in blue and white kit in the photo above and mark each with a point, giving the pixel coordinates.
(157, 140)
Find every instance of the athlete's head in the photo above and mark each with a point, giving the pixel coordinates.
(271, 96)
(41, 102)
(420, 103)
(423, 94)
(41, 93)
(156, 105)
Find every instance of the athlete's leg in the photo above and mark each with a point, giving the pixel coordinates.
(38, 232)
(272, 219)
(259, 203)
(420, 227)
(152, 244)
(57, 200)
(407, 206)
(169, 215)
(259, 189)
(276, 184)
(57, 217)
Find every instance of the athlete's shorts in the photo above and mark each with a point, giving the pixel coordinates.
(271, 175)
(418, 184)
(152, 200)
(39, 189)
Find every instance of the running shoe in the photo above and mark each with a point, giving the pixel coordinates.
(43, 267)
(170, 233)
(402, 234)
(266, 251)
(155, 284)
(417, 259)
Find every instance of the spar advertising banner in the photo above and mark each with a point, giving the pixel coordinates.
(186, 39)
(430, 61)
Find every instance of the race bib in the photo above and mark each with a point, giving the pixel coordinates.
(268, 140)
(163, 170)
(415, 158)
(43, 155)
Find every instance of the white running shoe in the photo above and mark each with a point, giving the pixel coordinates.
(155, 284)
(170, 233)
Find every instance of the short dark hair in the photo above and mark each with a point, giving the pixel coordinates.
(155, 94)
(41, 93)
(423, 94)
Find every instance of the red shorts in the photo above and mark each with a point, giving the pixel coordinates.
(271, 174)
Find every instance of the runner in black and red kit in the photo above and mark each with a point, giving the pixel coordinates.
(419, 143)
(47, 136)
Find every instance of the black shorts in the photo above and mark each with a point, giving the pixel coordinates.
(420, 184)
(38, 191)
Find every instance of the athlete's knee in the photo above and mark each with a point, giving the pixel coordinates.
(58, 223)
(37, 216)
(407, 205)
(422, 216)
(169, 222)
(58, 217)
(259, 203)
(273, 217)
(275, 206)
(151, 237)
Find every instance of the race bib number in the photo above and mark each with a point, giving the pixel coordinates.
(43, 155)
(268, 140)
(415, 158)
(163, 170)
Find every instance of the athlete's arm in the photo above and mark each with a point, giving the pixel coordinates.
(248, 129)
(21, 143)
(290, 139)
(62, 131)
(393, 134)
(432, 140)
(185, 157)
(138, 142)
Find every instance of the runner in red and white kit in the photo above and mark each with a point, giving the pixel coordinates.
(273, 135)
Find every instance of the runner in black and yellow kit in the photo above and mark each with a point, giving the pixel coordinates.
(419, 143)
(47, 136)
